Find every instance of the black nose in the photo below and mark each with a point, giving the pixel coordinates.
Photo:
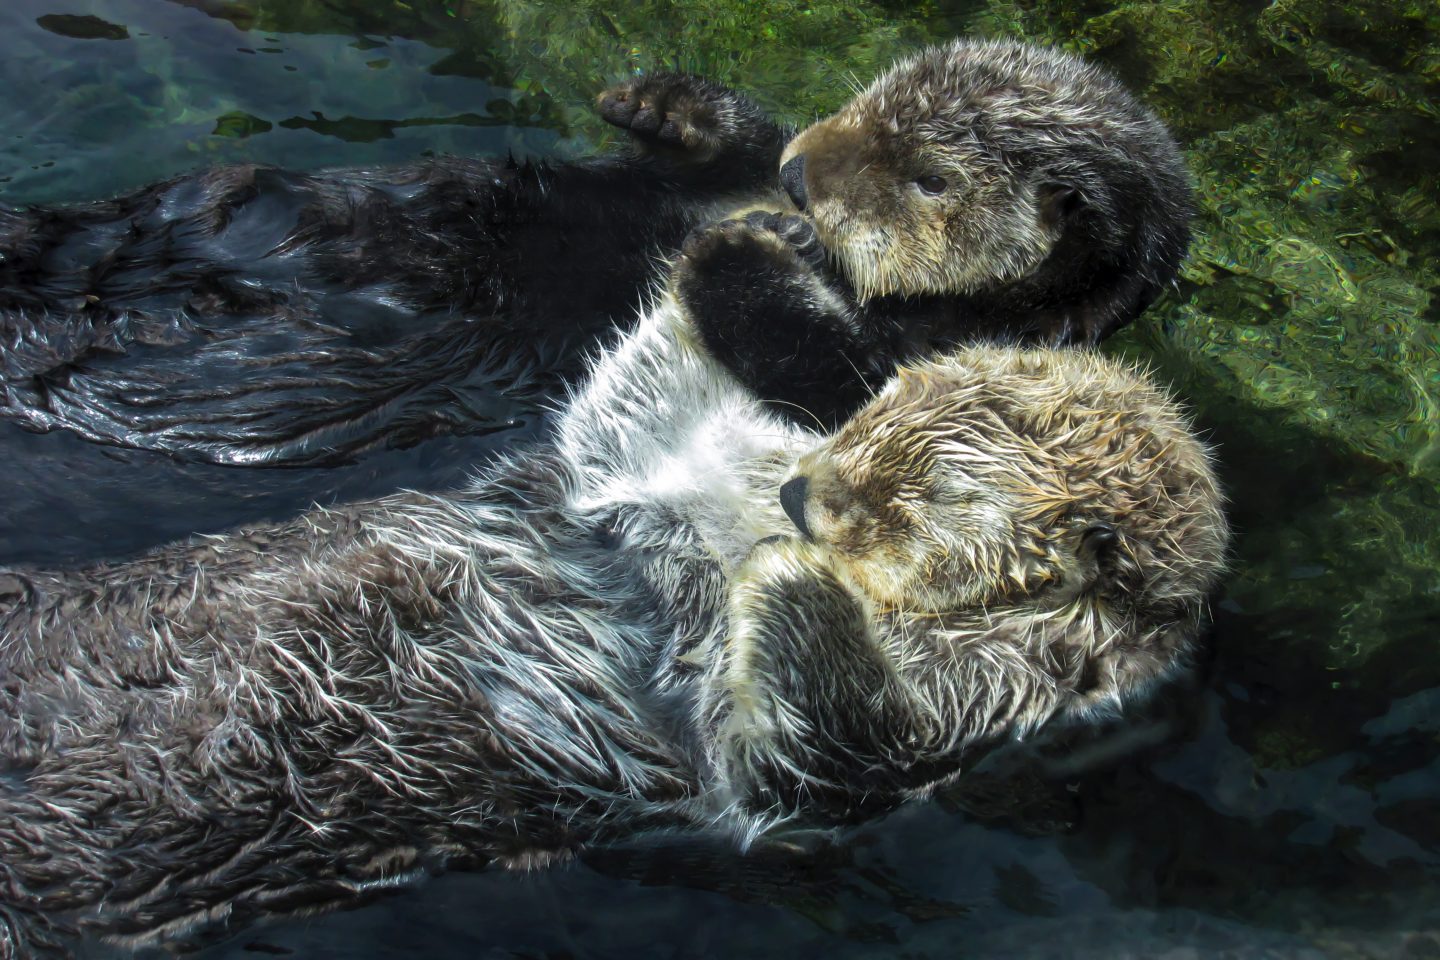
(1098, 540)
(792, 501)
(792, 178)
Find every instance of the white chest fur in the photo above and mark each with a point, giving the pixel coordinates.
(662, 426)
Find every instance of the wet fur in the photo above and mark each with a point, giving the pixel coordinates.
(616, 631)
(254, 316)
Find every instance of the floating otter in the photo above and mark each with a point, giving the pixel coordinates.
(253, 316)
(979, 190)
(681, 612)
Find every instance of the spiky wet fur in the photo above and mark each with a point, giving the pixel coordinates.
(614, 632)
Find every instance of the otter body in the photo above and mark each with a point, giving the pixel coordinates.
(254, 316)
(626, 628)
(694, 607)
(977, 191)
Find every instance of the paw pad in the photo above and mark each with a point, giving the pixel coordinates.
(667, 109)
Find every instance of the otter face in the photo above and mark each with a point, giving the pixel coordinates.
(1000, 538)
(906, 216)
(1059, 492)
(931, 503)
(1015, 174)
(913, 526)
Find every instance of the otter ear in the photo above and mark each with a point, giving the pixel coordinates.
(1059, 201)
(1094, 547)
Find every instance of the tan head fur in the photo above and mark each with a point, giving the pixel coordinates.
(1059, 492)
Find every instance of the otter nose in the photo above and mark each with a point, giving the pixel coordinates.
(792, 178)
(792, 501)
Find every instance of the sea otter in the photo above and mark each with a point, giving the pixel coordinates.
(682, 612)
(253, 316)
(978, 190)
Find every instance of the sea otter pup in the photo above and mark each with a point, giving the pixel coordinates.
(681, 612)
(252, 316)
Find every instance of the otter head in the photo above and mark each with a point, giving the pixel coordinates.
(1019, 177)
(1045, 510)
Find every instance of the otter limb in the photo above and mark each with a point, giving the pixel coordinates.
(247, 315)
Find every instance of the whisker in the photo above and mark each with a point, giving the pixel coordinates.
(818, 423)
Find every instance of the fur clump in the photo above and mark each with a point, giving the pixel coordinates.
(627, 628)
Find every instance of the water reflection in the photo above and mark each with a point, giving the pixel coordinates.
(131, 91)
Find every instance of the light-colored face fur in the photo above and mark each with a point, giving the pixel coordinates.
(1055, 489)
(955, 170)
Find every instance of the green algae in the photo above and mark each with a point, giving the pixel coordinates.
(801, 59)
(238, 123)
(1310, 128)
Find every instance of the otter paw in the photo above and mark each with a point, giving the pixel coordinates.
(675, 112)
(693, 120)
(798, 232)
(744, 247)
(765, 311)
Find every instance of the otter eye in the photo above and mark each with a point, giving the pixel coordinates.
(931, 184)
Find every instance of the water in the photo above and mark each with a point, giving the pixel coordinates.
(1284, 801)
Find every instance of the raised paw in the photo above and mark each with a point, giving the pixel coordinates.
(690, 119)
(799, 571)
(798, 232)
(761, 307)
(669, 109)
(756, 246)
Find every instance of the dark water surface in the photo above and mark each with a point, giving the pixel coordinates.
(1284, 801)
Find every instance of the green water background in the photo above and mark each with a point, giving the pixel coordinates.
(1287, 801)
